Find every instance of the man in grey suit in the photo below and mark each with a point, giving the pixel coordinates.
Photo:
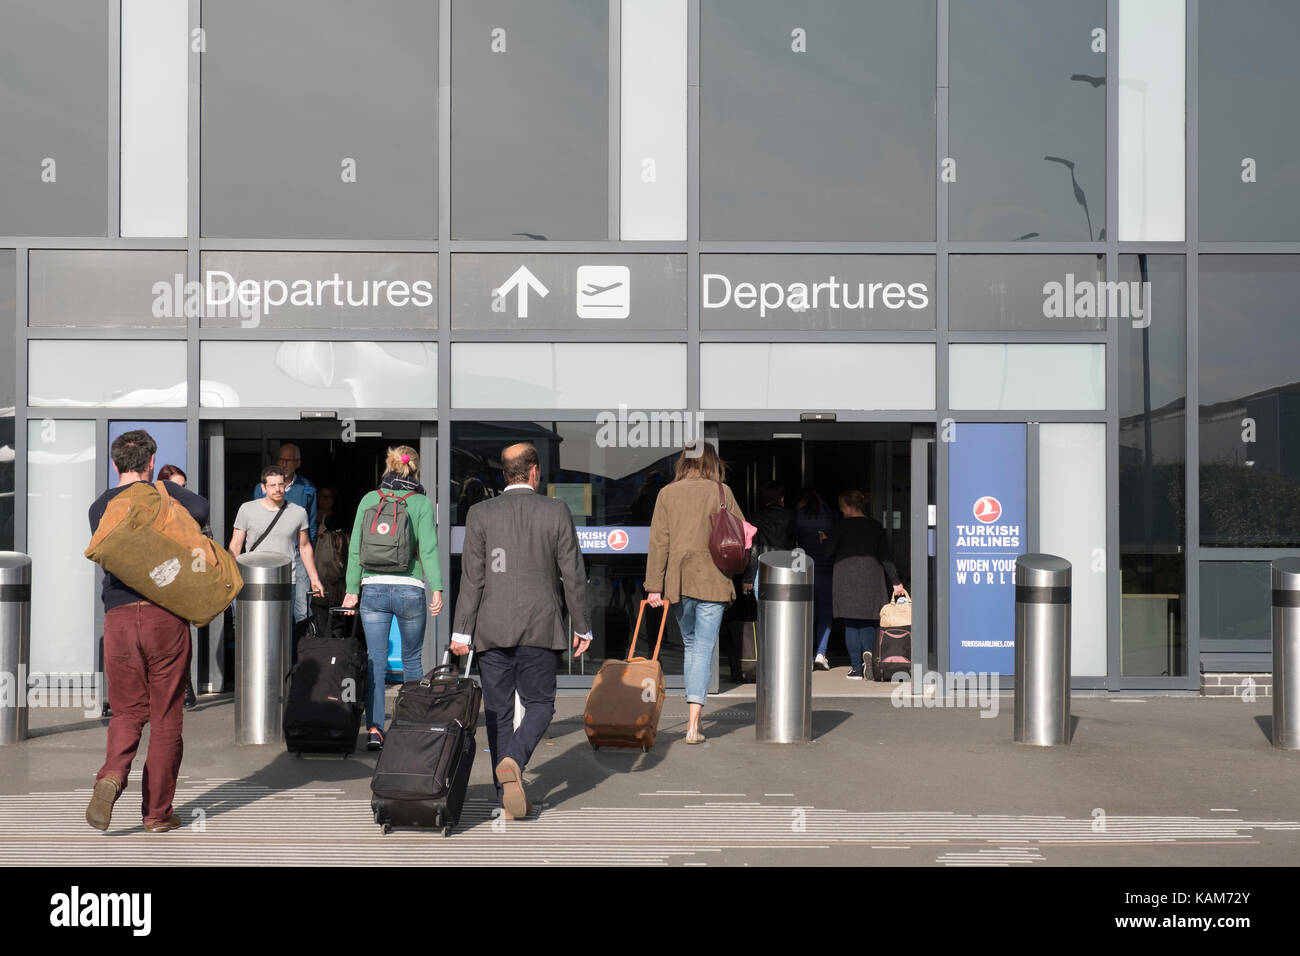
(509, 610)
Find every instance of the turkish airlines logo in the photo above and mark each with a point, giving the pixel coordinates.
(616, 539)
(988, 509)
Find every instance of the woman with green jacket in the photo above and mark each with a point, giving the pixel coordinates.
(389, 594)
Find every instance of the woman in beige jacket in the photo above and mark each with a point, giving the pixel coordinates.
(680, 568)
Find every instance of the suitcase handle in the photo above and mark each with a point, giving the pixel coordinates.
(637, 630)
(448, 666)
(353, 612)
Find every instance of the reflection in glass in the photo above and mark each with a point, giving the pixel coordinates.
(66, 373)
(1152, 472)
(319, 374)
(606, 487)
(530, 119)
(1027, 120)
(568, 375)
(1249, 401)
(817, 119)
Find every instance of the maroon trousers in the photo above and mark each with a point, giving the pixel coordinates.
(146, 658)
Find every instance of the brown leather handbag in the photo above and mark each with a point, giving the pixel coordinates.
(727, 539)
(627, 696)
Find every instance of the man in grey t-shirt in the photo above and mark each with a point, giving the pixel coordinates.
(288, 536)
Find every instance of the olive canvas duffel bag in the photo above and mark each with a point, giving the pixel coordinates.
(155, 547)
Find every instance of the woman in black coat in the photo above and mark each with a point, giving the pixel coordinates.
(863, 562)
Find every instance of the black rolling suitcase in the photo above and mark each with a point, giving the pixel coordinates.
(423, 771)
(326, 694)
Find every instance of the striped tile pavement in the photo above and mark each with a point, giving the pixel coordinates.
(232, 822)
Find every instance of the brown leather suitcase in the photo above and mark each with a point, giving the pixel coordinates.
(627, 696)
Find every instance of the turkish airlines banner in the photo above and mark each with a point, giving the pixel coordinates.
(986, 514)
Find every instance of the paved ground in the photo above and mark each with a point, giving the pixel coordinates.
(1159, 781)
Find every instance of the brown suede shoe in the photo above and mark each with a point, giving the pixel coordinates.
(100, 811)
(173, 822)
(513, 799)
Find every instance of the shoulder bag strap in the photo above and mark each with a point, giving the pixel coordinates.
(262, 537)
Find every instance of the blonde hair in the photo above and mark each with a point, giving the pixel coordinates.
(410, 468)
(706, 464)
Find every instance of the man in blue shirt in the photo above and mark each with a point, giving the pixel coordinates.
(301, 492)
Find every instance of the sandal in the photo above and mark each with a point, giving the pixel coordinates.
(694, 737)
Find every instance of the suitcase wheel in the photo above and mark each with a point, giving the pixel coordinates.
(645, 749)
(595, 746)
(446, 832)
(387, 829)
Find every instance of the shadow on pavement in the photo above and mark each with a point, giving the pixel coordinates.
(286, 772)
(1265, 724)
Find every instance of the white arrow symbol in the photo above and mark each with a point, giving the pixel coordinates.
(523, 280)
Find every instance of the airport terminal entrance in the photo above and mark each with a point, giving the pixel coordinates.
(344, 459)
(815, 462)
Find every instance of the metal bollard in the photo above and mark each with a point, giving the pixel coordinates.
(785, 620)
(15, 642)
(1042, 650)
(1286, 653)
(263, 630)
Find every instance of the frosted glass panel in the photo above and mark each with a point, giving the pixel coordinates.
(653, 134)
(106, 288)
(1034, 377)
(325, 375)
(155, 130)
(1152, 127)
(1072, 524)
(568, 375)
(106, 374)
(60, 487)
(808, 377)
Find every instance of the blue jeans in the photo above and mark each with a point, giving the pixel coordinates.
(859, 635)
(822, 616)
(379, 604)
(699, 622)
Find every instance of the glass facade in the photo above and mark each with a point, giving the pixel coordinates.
(895, 216)
(817, 120)
(1249, 402)
(1027, 120)
(342, 105)
(530, 119)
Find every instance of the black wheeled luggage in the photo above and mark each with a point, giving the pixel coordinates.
(326, 698)
(423, 771)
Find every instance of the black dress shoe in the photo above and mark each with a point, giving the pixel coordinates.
(190, 699)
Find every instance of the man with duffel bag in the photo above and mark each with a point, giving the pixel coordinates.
(150, 535)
